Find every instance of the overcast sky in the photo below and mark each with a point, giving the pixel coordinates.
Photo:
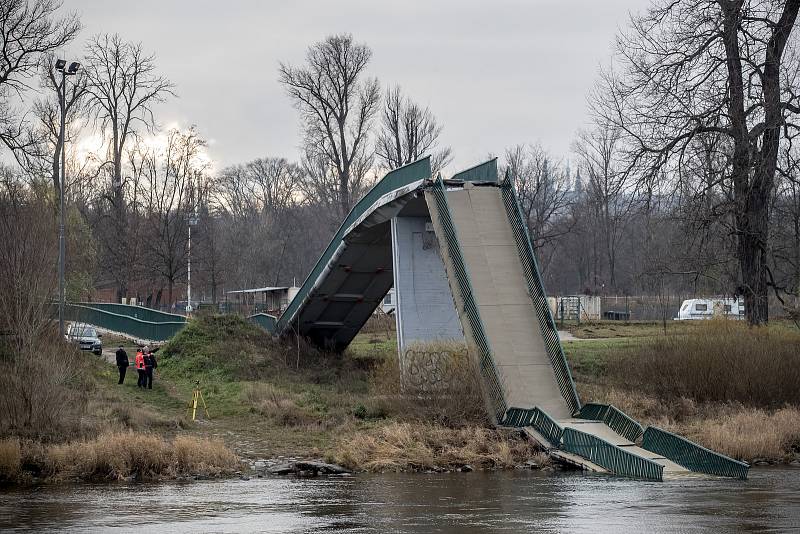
(494, 73)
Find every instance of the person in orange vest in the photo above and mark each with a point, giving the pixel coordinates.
(141, 369)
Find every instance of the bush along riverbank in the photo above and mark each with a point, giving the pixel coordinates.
(270, 404)
(730, 387)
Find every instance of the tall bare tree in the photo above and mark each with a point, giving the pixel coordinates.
(122, 87)
(407, 132)
(29, 29)
(543, 189)
(171, 176)
(689, 68)
(598, 152)
(337, 103)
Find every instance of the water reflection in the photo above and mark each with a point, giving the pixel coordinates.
(515, 501)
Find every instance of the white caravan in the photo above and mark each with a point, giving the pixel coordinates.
(694, 309)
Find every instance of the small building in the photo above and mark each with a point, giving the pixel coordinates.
(575, 307)
(271, 300)
(388, 304)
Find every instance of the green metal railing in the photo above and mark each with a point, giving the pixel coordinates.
(615, 459)
(538, 296)
(539, 420)
(483, 172)
(265, 321)
(394, 180)
(691, 455)
(137, 312)
(124, 324)
(453, 250)
(615, 418)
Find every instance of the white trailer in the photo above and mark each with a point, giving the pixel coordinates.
(707, 308)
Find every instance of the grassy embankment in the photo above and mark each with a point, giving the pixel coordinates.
(727, 386)
(720, 383)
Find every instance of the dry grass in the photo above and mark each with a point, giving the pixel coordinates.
(751, 433)
(44, 389)
(115, 456)
(440, 383)
(10, 459)
(722, 361)
(276, 404)
(414, 447)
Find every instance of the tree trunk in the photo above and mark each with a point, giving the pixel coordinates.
(752, 223)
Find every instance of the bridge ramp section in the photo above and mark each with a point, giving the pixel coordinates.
(501, 294)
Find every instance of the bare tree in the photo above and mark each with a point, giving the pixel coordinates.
(408, 132)
(170, 178)
(267, 185)
(598, 152)
(694, 67)
(337, 104)
(28, 244)
(122, 86)
(28, 30)
(543, 189)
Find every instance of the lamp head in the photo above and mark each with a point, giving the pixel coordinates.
(60, 64)
(73, 67)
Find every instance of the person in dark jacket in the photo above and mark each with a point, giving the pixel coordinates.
(150, 363)
(122, 363)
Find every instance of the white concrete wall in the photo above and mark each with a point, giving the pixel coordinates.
(424, 305)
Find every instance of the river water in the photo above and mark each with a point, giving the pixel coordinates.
(509, 501)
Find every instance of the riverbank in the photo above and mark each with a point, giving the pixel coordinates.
(727, 386)
(269, 402)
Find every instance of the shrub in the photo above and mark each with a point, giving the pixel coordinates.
(43, 385)
(237, 350)
(420, 446)
(751, 433)
(10, 459)
(279, 406)
(722, 360)
(116, 455)
(440, 383)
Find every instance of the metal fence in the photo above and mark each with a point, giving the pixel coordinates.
(539, 420)
(616, 419)
(124, 324)
(615, 459)
(136, 312)
(538, 296)
(692, 456)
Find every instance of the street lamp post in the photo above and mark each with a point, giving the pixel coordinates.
(61, 66)
(192, 222)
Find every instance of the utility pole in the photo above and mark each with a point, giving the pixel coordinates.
(61, 65)
(192, 222)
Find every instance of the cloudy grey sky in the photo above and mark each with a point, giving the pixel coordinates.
(495, 73)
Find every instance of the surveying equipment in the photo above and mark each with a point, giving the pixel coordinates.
(197, 397)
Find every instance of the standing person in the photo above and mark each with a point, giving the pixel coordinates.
(141, 369)
(150, 363)
(122, 363)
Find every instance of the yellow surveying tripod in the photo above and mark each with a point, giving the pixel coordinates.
(197, 397)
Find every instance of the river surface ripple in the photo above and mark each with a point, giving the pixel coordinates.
(503, 501)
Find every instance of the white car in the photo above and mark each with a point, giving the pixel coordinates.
(85, 336)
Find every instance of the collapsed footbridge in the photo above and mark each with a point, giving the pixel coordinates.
(458, 254)
(460, 259)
